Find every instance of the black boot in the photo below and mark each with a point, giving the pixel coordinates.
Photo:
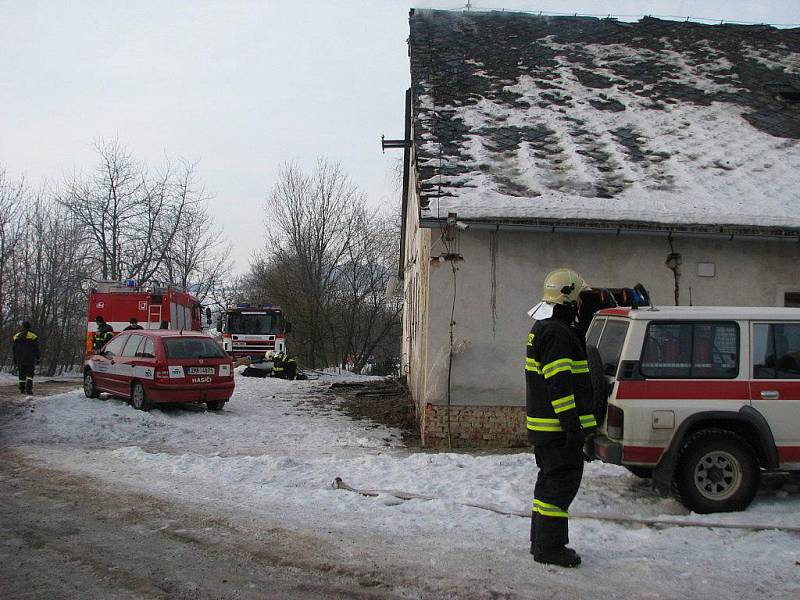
(21, 387)
(29, 387)
(561, 556)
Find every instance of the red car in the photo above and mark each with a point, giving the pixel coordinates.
(152, 366)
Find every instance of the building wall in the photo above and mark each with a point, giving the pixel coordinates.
(500, 278)
(416, 289)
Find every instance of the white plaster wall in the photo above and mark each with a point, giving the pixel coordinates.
(416, 290)
(487, 367)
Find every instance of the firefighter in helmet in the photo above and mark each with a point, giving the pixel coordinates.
(559, 407)
(283, 366)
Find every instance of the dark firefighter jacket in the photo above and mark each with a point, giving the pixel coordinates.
(559, 390)
(104, 333)
(26, 348)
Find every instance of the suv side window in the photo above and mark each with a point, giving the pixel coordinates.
(595, 329)
(776, 350)
(691, 350)
(610, 346)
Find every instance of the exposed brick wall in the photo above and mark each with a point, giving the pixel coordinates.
(473, 426)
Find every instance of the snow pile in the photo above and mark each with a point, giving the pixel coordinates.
(273, 452)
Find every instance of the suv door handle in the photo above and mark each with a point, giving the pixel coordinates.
(770, 394)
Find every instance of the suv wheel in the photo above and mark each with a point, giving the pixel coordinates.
(717, 471)
(215, 404)
(139, 398)
(89, 388)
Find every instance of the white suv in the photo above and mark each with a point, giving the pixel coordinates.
(700, 398)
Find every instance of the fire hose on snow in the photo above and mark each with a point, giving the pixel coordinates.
(655, 522)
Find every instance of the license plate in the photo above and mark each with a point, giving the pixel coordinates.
(201, 370)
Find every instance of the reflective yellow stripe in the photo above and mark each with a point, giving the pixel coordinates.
(536, 424)
(580, 366)
(557, 366)
(562, 404)
(533, 365)
(548, 510)
(588, 421)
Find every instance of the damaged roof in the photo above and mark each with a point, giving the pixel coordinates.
(526, 118)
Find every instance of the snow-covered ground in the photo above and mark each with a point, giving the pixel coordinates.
(273, 453)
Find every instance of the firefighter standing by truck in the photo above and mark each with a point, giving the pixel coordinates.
(559, 407)
(25, 350)
(104, 333)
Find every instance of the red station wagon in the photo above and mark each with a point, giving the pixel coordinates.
(155, 366)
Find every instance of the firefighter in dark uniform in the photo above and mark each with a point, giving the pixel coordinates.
(560, 416)
(25, 350)
(284, 366)
(134, 324)
(104, 333)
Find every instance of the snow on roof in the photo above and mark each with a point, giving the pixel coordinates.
(526, 118)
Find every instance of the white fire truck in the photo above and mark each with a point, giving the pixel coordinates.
(118, 302)
(250, 331)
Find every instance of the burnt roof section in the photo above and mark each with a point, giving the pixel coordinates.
(597, 112)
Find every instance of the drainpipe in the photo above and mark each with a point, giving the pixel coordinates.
(673, 262)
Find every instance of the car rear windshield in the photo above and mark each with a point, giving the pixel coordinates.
(188, 347)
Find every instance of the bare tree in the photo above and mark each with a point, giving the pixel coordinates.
(108, 203)
(132, 217)
(368, 316)
(49, 271)
(11, 195)
(325, 266)
(120, 222)
(198, 257)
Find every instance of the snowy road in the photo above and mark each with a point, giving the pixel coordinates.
(259, 475)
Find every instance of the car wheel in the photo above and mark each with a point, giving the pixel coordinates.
(641, 472)
(717, 471)
(599, 384)
(215, 404)
(139, 397)
(89, 388)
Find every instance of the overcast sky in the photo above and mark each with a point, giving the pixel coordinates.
(239, 86)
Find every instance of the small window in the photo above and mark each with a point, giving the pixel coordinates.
(691, 350)
(147, 350)
(776, 351)
(595, 329)
(791, 299)
(610, 346)
(132, 345)
(114, 347)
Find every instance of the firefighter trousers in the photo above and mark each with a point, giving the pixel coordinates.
(26, 378)
(560, 473)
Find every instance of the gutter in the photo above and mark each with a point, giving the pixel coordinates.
(404, 200)
(721, 232)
